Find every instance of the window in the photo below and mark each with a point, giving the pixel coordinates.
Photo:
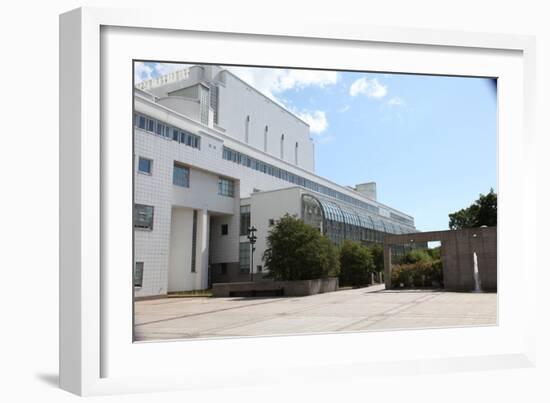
(226, 187)
(175, 134)
(143, 216)
(265, 138)
(271, 222)
(181, 175)
(296, 154)
(225, 229)
(259, 268)
(244, 257)
(141, 122)
(224, 268)
(138, 274)
(245, 220)
(282, 146)
(214, 99)
(163, 129)
(160, 129)
(144, 165)
(194, 244)
(246, 128)
(150, 125)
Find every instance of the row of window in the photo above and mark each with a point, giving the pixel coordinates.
(163, 129)
(253, 163)
(404, 220)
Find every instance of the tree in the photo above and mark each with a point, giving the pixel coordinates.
(297, 251)
(482, 212)
(435, 253)
(356, 264)
(417, 255)
(377, 252)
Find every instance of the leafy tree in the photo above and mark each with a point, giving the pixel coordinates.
(377, 252)
(297, 251)
(482, 212)
(356, 264)
(417, 255)
(435, 253)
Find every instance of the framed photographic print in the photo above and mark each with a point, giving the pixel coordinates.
(246, 200)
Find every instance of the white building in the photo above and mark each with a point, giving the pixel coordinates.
(212, 156)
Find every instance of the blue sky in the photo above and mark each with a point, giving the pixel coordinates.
(429, 142)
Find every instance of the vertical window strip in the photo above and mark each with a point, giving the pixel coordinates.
(194, 243)
(138, 274)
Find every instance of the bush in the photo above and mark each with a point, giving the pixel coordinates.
(356, 264)
(419, 274)
(297, 251)
(417, 255)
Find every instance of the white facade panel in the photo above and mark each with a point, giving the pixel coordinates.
(181, 276)
(259, 112)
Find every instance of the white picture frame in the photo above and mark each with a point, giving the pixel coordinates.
(97, 355)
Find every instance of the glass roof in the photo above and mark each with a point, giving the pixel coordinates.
(346, 214)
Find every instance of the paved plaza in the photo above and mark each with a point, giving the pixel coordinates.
(364, 309)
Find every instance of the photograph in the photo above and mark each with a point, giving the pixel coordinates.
(282, 200)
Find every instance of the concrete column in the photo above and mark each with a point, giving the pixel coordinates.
(202, 249)
(387, 266)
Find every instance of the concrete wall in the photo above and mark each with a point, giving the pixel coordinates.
(457, 249)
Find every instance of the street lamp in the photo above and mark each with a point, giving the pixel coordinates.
(252, 239)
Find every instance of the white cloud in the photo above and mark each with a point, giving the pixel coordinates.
(317, 121)
(369, 87)
(396, 102)
(275, 81)
(344, 109)
(165, 68)
(394, 108)
(142, 71)
(145, 71)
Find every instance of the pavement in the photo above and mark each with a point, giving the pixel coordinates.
(363, 309)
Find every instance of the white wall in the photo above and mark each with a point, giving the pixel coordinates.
(180, 277)
(271, 205)
(185, 106)
(262, 112)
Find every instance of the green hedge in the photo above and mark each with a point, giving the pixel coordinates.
(419, 274)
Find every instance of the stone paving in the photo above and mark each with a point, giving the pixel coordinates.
(363, 309)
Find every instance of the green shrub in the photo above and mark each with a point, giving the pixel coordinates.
(297, 251)
(356, 264)
(419, 274)
(417, 255)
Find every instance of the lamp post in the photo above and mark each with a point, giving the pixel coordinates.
(252, 239)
